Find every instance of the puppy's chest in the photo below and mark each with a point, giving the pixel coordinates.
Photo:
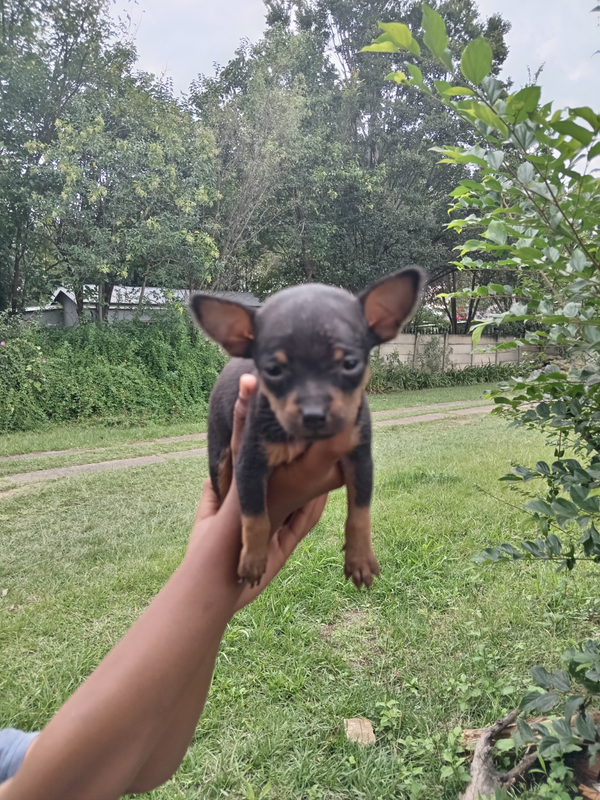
(284, 453)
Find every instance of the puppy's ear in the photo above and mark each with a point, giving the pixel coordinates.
(391, 302)
(229, 324)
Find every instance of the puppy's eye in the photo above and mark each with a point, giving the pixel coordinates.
(274, 371)
(350, 364)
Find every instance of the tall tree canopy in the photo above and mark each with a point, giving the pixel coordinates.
(296, 161)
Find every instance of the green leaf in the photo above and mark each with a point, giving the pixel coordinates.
(525, 100)
(592, 333)
(496, 232)
(526, 731)
(476, 333)
(595, 151)
(415, 72)
(526, 173)
(539, 506)
(529, 702)
(561, 680)
(456, 91)
(569, 128)
(584, 722)
(547, 701)
(398, 77)
(541, 677)
(588, 115)
(380, 47)
(485, 114)
(572, 705)
(476, 60)
(402, 36)
(494, 158)
(435, 38)
(442, 86)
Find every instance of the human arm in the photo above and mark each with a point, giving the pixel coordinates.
(128, 726)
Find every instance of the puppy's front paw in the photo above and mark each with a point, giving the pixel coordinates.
(361, 566)
(252, 566)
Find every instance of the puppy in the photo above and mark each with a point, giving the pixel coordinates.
(309, 348)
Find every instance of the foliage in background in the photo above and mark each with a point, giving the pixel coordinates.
(296, 161)
(129, 370)
(390, 373)
(533, 201)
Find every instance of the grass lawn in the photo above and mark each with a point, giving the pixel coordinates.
(425, 397)
(440, 641)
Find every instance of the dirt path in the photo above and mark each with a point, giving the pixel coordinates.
(201, 436)
(21, 478)
(168, 440)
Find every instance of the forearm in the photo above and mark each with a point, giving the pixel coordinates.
(167, 755)
(99, 741)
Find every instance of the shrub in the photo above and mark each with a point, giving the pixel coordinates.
(392, 374)
(131, 369)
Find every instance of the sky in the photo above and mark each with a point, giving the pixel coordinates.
(181, 38)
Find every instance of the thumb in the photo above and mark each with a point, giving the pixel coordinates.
(247, 388)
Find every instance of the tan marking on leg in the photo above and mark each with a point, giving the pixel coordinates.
(360, 564)
(281, 356)
(284, 453)
(256, 532)
(224, 475)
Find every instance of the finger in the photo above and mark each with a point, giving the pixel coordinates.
(209, 502)
(240, 410)
(302, 522)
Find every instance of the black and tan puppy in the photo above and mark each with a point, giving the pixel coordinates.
(309, 347)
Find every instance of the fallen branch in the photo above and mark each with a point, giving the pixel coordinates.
(471, 736)
(485, 778)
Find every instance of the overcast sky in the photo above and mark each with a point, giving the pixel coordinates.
(182, 38)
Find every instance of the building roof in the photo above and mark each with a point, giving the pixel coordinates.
(130, 296)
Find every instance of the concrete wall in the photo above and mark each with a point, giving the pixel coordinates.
(409, 346)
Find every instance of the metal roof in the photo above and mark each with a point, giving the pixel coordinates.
(130, 295)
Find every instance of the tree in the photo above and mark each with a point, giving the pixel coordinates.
(386, 206)
(49, 53)
(133, 176)
(536, 211)
(254, 107)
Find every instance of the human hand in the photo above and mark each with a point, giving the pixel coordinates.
(297, 491)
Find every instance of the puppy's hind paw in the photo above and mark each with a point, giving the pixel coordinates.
(362, 568)
(252, 567)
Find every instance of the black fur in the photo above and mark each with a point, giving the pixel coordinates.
(309, 347)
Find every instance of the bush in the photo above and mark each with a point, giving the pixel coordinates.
(131, 369)
(390, 374)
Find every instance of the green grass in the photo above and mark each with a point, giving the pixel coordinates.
(425, 397)
(84, 436)
(447, 643)
(92, 436)
(94, 455)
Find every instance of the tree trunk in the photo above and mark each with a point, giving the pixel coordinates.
(107, 295)
(143, 289)
(307, 265)
(100, 303)
(79, 300)
(16, 274)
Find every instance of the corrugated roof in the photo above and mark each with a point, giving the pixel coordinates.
(130, 295)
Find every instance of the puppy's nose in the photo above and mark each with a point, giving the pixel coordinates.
(313, 418)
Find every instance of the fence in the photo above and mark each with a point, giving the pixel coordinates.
(456, 350)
